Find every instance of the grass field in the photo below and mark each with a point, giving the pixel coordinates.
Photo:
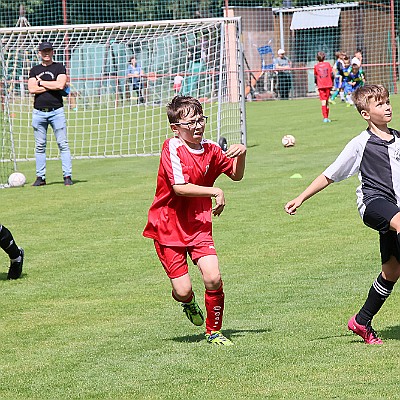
(92, 316)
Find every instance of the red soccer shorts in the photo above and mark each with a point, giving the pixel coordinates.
(324, 93)
(174, 259)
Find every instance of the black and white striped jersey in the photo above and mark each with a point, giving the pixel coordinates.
(377, 163)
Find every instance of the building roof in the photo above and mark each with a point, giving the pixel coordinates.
(321, 18)
(314, 8)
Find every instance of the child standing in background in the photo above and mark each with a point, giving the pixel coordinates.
(338, 78)
(324, 81)
(354, 79)
(178, 80)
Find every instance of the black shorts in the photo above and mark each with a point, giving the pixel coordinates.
(378, 215)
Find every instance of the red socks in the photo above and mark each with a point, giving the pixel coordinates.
(325, 111)
(214, 300)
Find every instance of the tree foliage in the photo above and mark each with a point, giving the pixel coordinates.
(11, 11)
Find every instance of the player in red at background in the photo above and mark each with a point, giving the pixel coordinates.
(323, 75)
(179, 219)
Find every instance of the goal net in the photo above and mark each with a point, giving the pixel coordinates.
(7, 156)
(111, 114)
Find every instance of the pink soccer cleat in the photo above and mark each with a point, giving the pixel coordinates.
(365, 331)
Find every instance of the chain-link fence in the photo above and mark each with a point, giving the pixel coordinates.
(301, 28)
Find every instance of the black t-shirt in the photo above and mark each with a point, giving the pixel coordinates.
(50, 98)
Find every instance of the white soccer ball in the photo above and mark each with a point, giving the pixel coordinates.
(16, 179)
(288, 141)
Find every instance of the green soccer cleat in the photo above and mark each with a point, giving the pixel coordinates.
(193, 312)
(218, 338)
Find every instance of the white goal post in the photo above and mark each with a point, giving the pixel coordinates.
(107, 114)
(7, 156)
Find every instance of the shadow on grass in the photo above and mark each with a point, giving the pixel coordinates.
(392, 332)
(346, 334)
(3, 276)
(76, 182)
(229, 333)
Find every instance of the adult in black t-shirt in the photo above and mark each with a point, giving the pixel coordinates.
(47, 81)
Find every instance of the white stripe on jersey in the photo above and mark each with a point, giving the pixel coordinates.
(173, 145)
(394, 155)
(176, 161)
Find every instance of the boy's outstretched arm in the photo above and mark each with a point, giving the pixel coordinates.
(318, 184)
(237, 151)
(191, 190)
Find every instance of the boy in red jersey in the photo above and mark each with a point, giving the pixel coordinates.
(324, 81)
(179, 219)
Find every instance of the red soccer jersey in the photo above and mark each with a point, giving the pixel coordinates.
(179, 220)
(323, 75)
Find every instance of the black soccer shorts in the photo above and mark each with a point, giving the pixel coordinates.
(377, 216)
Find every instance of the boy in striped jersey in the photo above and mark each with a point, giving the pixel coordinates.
(375, 156)
(179, 219)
